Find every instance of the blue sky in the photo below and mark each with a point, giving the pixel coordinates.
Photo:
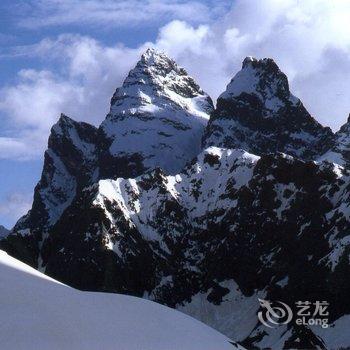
(69, 56)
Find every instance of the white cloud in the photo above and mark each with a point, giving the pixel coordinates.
(178, 37)
(81, 90)
(310, 40)
(111, 13)
(38, 97)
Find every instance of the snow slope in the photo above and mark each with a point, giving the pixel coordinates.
(337, 336)
(38, 312)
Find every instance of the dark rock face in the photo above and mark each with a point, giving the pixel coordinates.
(257, 112)
(70, 164)
(118, 210)
(340, 152)
(238, 218)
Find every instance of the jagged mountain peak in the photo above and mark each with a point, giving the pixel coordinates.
(63, 123)
(264, 79)
(154, 58)
(260, 63)
(70, 129)
(64, 119)
(258, 113)
(152, 53)
(157, 118)
(79, 135)
(156, 75)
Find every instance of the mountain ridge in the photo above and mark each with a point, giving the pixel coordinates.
(137, 206)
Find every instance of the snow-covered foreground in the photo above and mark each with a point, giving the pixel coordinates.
(38, 312)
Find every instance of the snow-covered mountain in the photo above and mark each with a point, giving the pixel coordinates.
(136, 206)
(258, 113)
(156, 118)
(39, 313)
(213, 239)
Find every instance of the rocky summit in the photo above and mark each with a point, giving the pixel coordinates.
(157, 118)
(203, 209)
(258, 112)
